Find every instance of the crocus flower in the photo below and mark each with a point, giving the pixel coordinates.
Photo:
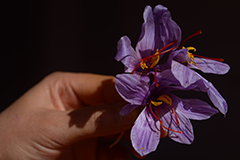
(161, 109)
(159, 35)
(205, 64)
(188, 77)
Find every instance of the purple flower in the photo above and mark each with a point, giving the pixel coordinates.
(194, 61)
(161, 109)
(188, 77)
(205, 64)
(159, 32)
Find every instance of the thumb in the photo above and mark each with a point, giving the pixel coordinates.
(95, 121)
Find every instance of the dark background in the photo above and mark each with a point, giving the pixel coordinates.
(40, 37)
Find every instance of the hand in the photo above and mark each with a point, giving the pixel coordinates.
(62, 118)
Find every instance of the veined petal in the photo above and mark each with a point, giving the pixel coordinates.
(210, 66)
(184, 126)
(188, 77)
(145, 134)
(193, 108)
(166, 29)
(133, 88)
(146, 42)
(126, 54)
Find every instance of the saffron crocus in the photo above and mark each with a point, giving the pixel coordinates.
(188, 77)
(159, 35)
(161, 110)
(205, 64)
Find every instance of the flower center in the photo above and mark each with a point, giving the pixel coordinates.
(190, 55)
(166, 99)
(150, 62)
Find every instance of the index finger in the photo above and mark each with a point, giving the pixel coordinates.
(92, 89)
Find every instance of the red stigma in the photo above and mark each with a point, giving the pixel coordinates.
(160, 52)
(161, 122)
(193, 35)
(175, 115)
(215, 59)
(155, 77)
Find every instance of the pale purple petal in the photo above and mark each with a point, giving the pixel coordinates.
(210, 66)
(188, 77)
(127, 109)
(126, 54)
(185, 126)
(132, 88)
(146, 42)
(205, 65)
(145, 134)
(166, 30)
(213, 95)
(193, 108)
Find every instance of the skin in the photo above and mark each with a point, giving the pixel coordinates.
(63, 117)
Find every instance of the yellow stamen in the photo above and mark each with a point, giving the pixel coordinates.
(143, 65)
(166, 99)
(155, 59)
(190, 55)
(156, 103)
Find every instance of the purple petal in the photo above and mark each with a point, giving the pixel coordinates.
(127, 109)
(193, 108)
(166, 29)
(184, 126)
(145, 134)
(133, 88)
(210, 66)
(188, 77)
(126, 54)
(146, 42)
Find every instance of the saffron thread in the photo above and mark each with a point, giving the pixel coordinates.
(161, 122)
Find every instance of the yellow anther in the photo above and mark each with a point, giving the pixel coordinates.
(166, 99)
(190, 58)
(155, 60)
(156, 103)
(190, 55)
(143, 65)
(191, 48)
(161, 99)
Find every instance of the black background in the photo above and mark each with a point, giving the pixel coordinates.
(40, 37)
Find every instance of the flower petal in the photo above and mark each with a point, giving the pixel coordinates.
(127, 109)
(166, 30)
(146, 42)
(126, 54)
(133, 88)
(193, 108)
(145, 134)
(210, 66)
(184, 126)
(188, 77)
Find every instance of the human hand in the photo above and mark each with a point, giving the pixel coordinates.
(62, 117)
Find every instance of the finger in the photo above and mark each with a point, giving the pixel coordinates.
(94, 121)
(95, 89)
(92, 89)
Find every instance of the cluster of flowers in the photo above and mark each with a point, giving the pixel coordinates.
(147, 83)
